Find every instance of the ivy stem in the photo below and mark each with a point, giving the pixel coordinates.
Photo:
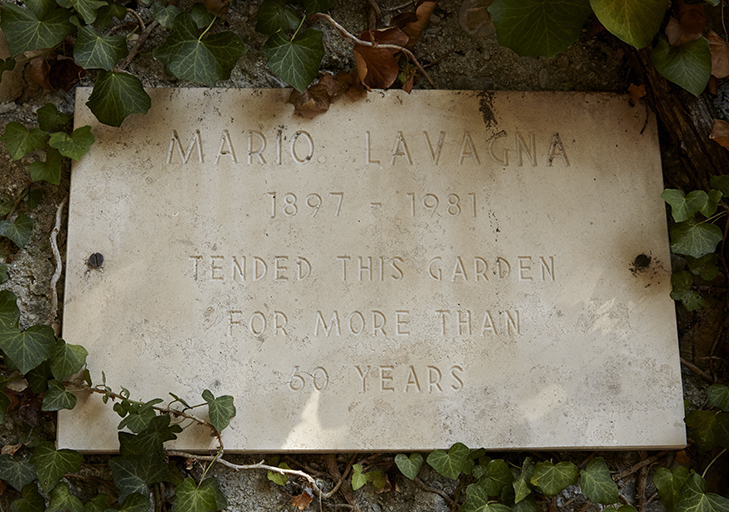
(301, 23)
(210, 25)
(703, 475)
(207, 468)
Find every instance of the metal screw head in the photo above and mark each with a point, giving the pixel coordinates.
(96, 260)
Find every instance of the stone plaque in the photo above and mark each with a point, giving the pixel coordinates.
(401, 273)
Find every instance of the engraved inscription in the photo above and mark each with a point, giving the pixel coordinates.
(410, 378)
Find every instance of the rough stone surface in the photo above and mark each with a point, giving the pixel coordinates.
(383, 276)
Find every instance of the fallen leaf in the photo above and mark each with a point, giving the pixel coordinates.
(475, 18)
(686, 23)
(720, 133)
(53, 71)
(30, 408)
(302, 500)
(2, 487)
(414, 23)
(312, 101)
(713, 86)
(378, 67)
(217, 7)
(316, 98)
(682, 459)
(10, 449)
(636, 91)
(719, 55)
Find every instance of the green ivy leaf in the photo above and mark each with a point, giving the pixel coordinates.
(50, 170)
(6, 65)
(18, 140)
(110, 10)
(93, 51)
(312, 6)
(200, 15)
(30, 500)
(41, 25)
(135, 503)
(478, 501)
(31, 196)
(597, 484)
(682, 283)
(9, 312)
(521, 482)
(709, 429)
(205, 497)
(552, 479)
(718, 395)
(669, 484)
(295, 61)
(277, 478)
(38, 377)
(151, 439)
(695, 240)
(139, 417)
(3, 279)
(528, 504)
(220, 410)
(67, 359)
(134, 473)
(449, 464)
(712, 204)
(87, 9)
(28, 348)
(49, 118)
(17, 472)
(377, 478)
(188, 57)
(409, 466)
(539, 28)
(276, 15)
(75, 145)
(57, 397)
(166, 15)
(694, 497)
(498, 476)
(4, 404)
(633, 21)
(359, 479)
(97, 504)
(117, 96)
(721, 183)
(63, 500)
(685, 206)
(688, 65)
(704, 266)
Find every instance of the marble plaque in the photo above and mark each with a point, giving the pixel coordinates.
(400, 273)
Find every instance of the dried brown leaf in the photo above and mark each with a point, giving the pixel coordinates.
(713, 86)
(38, 71)
(686, 23)
(311, 101)
(30, 408)
(475, 18)
(636, 91)
(720, 133)
(53, 71)
(217, 7)
(10, 449)
(719, 55)
(2, 487)
(317, 98)
(302, 500)
(412, 24)
(378, 67)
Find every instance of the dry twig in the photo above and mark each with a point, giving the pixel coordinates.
(59, 263)
(698, 371)
(639, 465)
(138, 46)
(432, 489)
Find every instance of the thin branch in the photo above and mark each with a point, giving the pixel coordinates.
(376, 8)
(638, 466)
(434, 490)
(59, 263)
(352, 39)
(139, 19)
(15, 207)
(698, 371)
(138, 46)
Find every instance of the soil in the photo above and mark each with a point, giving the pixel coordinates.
(460, 51)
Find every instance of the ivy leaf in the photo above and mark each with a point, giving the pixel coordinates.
(58, 398)
(135, 503)
(552, 479)
(682, 283)
(67, 359)
(201, 16)
(704, 266)
(359, 479)
(597, 484)
(449, 464)
(695, 240)
(151, 439)
(38, 377)
(50, 170)
(685, 206)
(205, 497)
(498, 476)
(220, 410)
(87, 9)
(709, 429)
(6, 65)
(478, 501)
(134, 473)
(75, 145)
(312, 6)
(9, 312)
(138, 417)
(633, 21)
(409, 466)
(30, 500)
(718, 395)
(528, 504)
(3, 278)
(189, 57)
(721, 183)
(688, 65)
(166, 15)
(52, 464)
(694, 497)
(521, 482)
(18, 231)
(62, 499)
(277, 478)
(31, 196)
(28, 348)
(18, 140)
(110, 10)
(49, 118)
(712, 204)
(16, 472)
(276, 15)
(93, 51)
(669, 484)
(539, 28)
(295, 61)
(41, 25)
(117, 96)
(96, 504)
